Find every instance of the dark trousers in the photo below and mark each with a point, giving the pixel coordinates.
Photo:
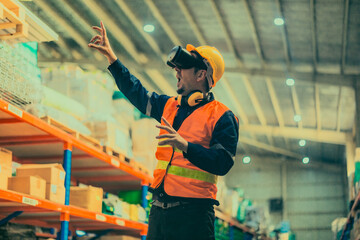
(184, 222)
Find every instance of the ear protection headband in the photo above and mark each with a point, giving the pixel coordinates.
(193, 99)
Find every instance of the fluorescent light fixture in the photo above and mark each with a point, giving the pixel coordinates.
(279, 21)
(149, 28)
(297, 118)
(306, 160)
(302, 143)
(246, 159)
(290, 82)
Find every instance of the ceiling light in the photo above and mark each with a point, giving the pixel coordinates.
(302, 143)
(149, 28)
(290, 82)
(246, 159)
(297, 118)
(279, 21)
(306, 160)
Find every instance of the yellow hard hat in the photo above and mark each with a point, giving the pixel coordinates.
(214, 59)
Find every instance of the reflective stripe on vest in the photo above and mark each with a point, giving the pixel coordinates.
(187, 173)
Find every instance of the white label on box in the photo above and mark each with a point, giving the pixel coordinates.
(53, 188)
(100, 217)
(115, 162)
(62, 175)
(30, 201)
(15, 110)
(120, 222)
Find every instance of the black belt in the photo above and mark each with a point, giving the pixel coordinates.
(167, 205)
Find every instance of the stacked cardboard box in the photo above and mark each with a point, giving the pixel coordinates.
(53, 174)
(5, 167)
(88, 197)
(31, 185)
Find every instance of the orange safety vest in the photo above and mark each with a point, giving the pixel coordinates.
(181, 177)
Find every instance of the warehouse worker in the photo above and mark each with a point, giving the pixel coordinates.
(197, 140)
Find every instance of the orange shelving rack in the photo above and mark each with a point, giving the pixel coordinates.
(32, 140)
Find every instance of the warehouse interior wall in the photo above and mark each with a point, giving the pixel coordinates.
(312, 196)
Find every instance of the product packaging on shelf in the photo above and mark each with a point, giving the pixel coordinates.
(55, 193)
(87, 197)
(32, 185)
(54, 176)
(53, 173)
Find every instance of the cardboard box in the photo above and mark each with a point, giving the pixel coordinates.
(87, 197)
(5, 157)
(52, 173)
(5, 173)
(32, 185)
(55, 193)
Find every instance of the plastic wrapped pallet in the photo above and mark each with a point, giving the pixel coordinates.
(92, 89)
(20, 77)
(63, 103)
(40, 111)
(143, 134)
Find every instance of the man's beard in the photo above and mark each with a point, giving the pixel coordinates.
(180, 90)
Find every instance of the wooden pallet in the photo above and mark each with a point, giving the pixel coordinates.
(121, 156)
(115, 153)
(84, 138)
(14, 20)
(139, 167)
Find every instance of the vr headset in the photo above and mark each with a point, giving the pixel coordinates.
(183, 59)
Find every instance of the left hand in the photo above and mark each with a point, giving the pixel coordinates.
(172, 138)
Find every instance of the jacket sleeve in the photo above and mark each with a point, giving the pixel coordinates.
(151, 104)
(219, 158)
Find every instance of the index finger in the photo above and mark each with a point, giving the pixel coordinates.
(103, 28)
(166, 122)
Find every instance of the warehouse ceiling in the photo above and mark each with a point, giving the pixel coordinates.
(318, 46)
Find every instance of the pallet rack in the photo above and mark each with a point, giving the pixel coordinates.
(33, 140)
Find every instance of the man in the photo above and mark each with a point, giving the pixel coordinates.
(197, 140)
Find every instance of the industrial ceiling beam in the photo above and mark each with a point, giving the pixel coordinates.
(139, 27)
(164, 24)
(259, 112)
(194, 26)
(284, 34)
(324, 78)
(276, 106)
(267, 147)
(317, 107)
(325, 136)
(228, 39)
(114, 28)
(254, 33)
(344, 42)
(338, 115)
(44, 5)
(314, 34)
(295, 101)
